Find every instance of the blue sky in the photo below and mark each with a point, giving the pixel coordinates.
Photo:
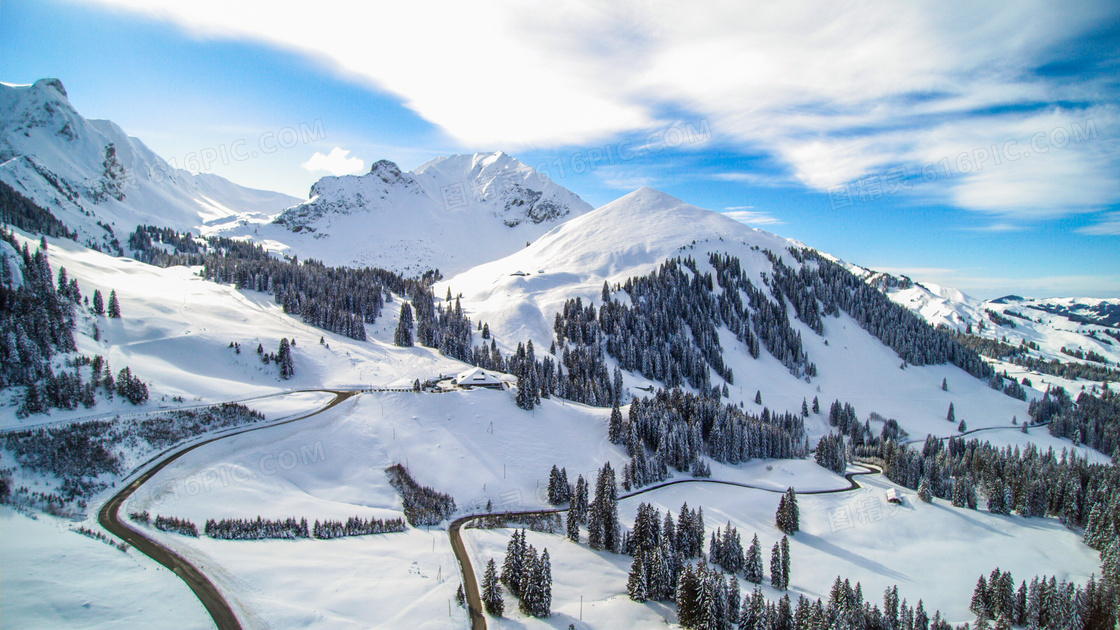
(971, 146)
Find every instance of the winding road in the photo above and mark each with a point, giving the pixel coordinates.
(470, 581)
(204, 589)
(219, 608)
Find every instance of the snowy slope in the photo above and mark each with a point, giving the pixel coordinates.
(519, 295)
(176, 328)
(451, 213)
(64, 163)
(54, 577)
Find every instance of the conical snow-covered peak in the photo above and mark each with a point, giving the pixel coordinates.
(650, 199)
(629, 236)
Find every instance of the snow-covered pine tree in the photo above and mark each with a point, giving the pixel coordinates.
(924, 492)
(752, 572)
(615, 428)
(542, 606)
(284, 357)
(403, 336)
(636, 582)
(573, 525)
(114, 305)
(776, 566)
(603, 528)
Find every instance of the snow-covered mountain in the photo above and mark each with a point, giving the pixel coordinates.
(451, 214)
(631, 236)
(100, 181)
(520, 295)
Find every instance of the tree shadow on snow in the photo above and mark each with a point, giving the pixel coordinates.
(824, 546)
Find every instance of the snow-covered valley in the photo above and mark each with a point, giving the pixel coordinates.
(708, 362)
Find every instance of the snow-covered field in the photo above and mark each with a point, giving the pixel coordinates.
(176, 329)
(932, 552)
(54, 577)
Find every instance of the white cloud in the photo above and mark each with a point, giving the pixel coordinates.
(995, 228)
(1109, 225)
(832, 90)
(749, 217)
(336, 162)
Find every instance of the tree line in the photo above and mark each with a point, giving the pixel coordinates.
(423, 505)
(290, 528)
(79, 453)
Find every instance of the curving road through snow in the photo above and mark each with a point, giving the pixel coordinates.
(109, 518)
(470, 581)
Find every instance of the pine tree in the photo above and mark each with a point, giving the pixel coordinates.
(944, 385)
(962, 427)
(287, 366)
(636, 583)
(785, 562)
(603, 528)
(114, 305)
(558, 489)
(513, 566)
(924, 492)
(524, 392)
(753, 570)
(579, 500)
(776, 566)
(816, 405)
(403, 336)
(530, 588)
(687, 598)
(573, 525)
(543, 577)
(758, 397)
(951, 416)
(614, 428)
(788, 517)
(98, 302)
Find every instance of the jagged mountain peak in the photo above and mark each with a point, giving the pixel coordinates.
(415, 220)
(100, 181)
(53, 83)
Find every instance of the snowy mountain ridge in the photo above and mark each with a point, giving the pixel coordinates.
(415, 221)
(91, 174)
(1050, 324)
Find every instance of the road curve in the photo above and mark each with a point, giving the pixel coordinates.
(470, 582)
(109, 518)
